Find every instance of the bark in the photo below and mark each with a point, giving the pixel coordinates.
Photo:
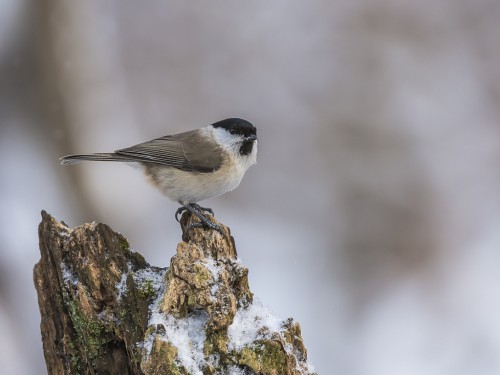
(105, 310)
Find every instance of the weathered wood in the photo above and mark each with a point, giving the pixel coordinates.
(105, 310)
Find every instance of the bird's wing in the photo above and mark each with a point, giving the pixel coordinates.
(188, 151)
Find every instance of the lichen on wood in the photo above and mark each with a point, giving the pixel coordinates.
(105, 310)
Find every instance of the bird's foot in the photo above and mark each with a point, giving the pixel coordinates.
(195, 207)
(196, 210)
(206, 224)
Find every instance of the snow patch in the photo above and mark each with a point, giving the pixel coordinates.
(68, 276)
(147, 275)
(65, 233)
(155, 277)
(121, 286)
(256, 322)
(215, 269)
(212, 266)
(188, 336)
(234, 370)
(250, 324)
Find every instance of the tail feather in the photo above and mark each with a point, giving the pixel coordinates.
(73, 159)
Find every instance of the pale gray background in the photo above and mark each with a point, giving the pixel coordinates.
(373, 214)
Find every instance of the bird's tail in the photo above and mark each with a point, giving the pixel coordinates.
(73, 159)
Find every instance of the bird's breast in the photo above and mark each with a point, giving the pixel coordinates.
(191, 187)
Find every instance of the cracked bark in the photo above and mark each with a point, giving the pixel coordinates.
(105, 310)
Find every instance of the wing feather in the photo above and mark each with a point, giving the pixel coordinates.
(189, 151)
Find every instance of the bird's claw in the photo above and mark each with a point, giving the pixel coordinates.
(207, 224)
(195, 207)
(179, 211)
(198, 208)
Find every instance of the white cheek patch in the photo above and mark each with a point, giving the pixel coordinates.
(226, 140)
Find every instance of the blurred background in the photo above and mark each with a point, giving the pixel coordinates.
(373, 214)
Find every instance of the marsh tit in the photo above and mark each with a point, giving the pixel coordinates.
(192, 166)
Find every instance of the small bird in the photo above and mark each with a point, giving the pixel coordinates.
(192, 166)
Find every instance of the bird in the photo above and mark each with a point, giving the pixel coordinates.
(192, 166)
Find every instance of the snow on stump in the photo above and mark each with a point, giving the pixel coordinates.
(105, 310)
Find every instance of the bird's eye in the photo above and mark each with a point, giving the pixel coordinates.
(232, 131)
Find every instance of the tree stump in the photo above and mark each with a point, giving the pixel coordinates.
(105, 310)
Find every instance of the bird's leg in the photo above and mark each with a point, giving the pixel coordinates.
(195, 206)
(204, 222)
(202, 209)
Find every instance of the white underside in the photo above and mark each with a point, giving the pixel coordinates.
(190, 187)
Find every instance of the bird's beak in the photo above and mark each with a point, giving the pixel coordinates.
(250, 138)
